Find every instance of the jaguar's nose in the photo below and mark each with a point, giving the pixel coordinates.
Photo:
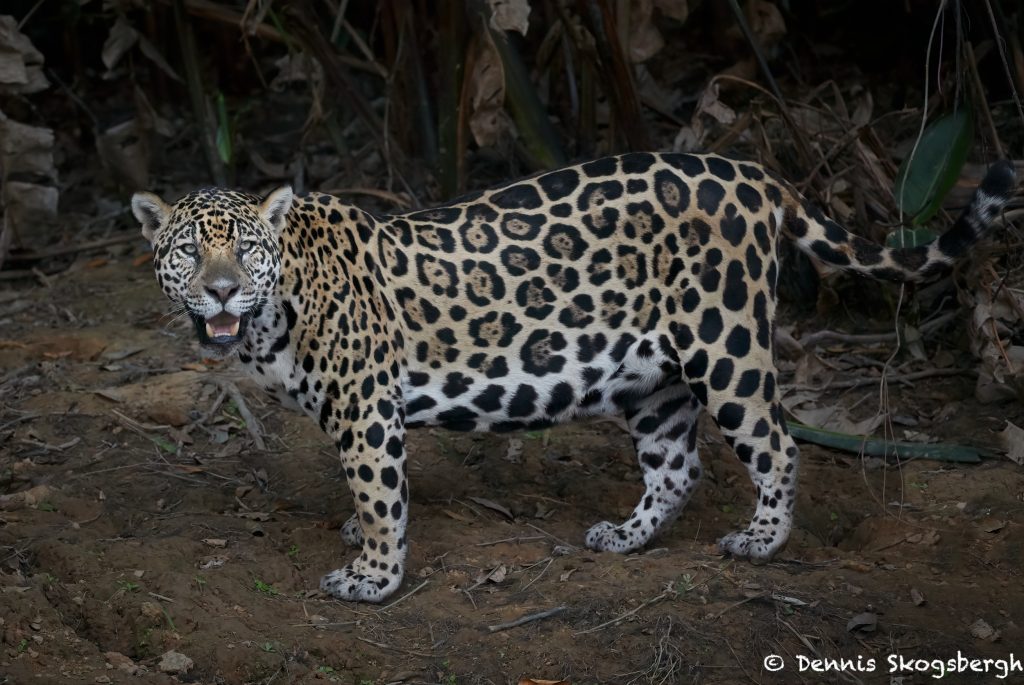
(222, 291)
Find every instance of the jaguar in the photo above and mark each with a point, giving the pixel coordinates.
(640, 285)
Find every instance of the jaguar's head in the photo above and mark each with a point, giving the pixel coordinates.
(217, 255)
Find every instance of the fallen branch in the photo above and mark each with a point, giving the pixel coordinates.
(529, 618)
(811, 341)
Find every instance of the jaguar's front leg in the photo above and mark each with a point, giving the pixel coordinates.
(373, 454)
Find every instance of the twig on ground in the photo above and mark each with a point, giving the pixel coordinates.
(395, 649)
(144, 429)
(740, 663)
(665, 594)
(669, 591)
(529, 618)
(537, 577)
(251, 424)
(901, 378)
(406, 596)
(553, 537)
(516, 540)
(20, 419)
(325, 625)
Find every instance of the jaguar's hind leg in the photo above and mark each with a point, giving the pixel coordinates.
(748, 413)
(664, 431)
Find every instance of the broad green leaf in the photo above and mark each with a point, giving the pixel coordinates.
(923, 181)
(910, 237)
(223, 130)
(876, 447)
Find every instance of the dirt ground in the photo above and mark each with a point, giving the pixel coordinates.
(138, 518)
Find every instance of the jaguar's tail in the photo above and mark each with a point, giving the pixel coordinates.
(827, 241)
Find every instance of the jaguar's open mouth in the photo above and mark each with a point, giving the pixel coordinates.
(221, 331)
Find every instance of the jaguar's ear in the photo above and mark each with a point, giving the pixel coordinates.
(152, 213)
(275, 206)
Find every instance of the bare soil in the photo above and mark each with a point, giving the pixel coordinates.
(136, 521)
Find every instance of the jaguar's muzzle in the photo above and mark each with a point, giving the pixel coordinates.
(221, 332)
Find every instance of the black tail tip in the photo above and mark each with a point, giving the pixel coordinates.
(1001, 179)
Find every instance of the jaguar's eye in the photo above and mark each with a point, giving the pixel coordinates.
(190, 249)
(246, 245)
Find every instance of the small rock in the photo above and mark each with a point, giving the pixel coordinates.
(175, 662)
(102, 679)
(983, 631)
(120, 661)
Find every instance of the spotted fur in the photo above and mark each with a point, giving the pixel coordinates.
(642, 285)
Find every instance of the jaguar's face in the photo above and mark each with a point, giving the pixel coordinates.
(217, 256)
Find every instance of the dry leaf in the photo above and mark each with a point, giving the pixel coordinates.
(457, 517)
(495, 575)
(645, 39)
(766, 22)
(1011, 438)
(493, 506)
(150, 51)
(216, 542)
(510, 15)
(30, 202)
(487, 120)
(865, 622)
(120, 40)
(21, 65)
(124, 151)
(26, 149)
(916, 597)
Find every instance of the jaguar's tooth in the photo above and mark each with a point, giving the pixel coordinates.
(234, 328)
(209, 330)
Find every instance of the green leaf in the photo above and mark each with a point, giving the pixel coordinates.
(876, 447)
(164, 444)
(910, 237)
(223, 130)
(923, 181)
